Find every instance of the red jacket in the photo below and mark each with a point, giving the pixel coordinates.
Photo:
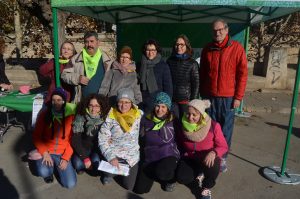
(42, 137)
(214, 141)
(223, 71)
(47, 70)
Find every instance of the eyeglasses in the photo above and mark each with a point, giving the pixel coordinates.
(151, 50)
(94, 106)
(123, 102)
(219, 30)
(124, 57)
(181, 45)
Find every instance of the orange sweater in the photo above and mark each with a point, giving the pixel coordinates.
(42, 137)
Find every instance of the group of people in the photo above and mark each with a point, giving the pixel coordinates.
(146, 115)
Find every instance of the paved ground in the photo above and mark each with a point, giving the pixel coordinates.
(258, 142)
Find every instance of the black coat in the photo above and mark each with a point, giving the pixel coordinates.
(163, 78)
(185, 78)
(3, 77)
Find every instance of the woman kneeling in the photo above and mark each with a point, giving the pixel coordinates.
(159, 150)
(202, 144)
(51, 137)
(119, 135)
(90, 116)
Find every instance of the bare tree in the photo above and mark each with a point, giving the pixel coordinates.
(18, 30)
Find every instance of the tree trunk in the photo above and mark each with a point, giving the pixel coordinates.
(61, 27)
(18, 30)
(261, 49)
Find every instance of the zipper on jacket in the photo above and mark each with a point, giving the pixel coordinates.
(219, 66)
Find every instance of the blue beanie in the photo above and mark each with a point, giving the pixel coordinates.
(163, 98)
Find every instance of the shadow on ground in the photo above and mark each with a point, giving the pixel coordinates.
(7, 189)
(21, 147)
(295, 130)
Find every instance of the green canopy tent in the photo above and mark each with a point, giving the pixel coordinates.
(243, 12)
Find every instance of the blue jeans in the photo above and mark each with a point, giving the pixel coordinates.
(222, 111)
(67, 177)
(79, 164)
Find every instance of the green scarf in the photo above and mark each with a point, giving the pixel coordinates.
(91, 62)
(70, 109)
(63, 61)
(92, 116)
(189, 127)
(158, 122)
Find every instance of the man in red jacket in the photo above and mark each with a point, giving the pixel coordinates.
(223, 78)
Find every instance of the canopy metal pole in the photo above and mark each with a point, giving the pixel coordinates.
(55, 45)
(283, 175)
(292, 115)
(239, 111)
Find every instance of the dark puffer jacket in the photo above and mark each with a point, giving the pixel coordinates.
(185, 78)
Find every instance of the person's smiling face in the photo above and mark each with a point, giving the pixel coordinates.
(219, 31)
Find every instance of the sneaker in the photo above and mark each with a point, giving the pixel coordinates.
(200, 179)
(205, 194)
(169, 187)
(106, 180)
(49, 179)
(223, 165)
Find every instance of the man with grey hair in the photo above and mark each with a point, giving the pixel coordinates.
(223, 77)
(89, 67)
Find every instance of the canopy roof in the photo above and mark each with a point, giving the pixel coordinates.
(176, 11)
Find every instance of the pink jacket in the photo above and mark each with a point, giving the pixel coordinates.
(214, 141)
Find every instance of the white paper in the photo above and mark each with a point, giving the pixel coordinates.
(107, 167)
(36, 107)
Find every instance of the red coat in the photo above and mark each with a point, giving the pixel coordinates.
(214, 141)
(223, 72)
(47, 70)
(42, 137)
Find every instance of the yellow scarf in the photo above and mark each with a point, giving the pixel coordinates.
(91, 62)
(63, 61)
(125, 120)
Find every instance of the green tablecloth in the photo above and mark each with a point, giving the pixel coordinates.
(18, 102)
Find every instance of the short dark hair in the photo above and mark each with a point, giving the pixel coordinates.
(90, 34)
(151, 42)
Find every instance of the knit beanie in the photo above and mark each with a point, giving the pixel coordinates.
(126, 93)
(61, 92)
(126, 49)
(163, 98)
(200, 105)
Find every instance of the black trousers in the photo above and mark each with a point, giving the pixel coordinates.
(188, 169)
(162, 171)
(127, 181)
